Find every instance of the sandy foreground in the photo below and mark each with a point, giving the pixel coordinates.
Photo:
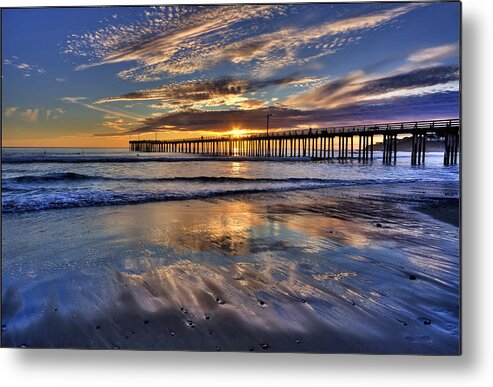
(368, 269)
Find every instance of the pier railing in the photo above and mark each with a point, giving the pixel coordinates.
(319, 143)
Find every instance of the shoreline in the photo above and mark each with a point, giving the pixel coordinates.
(308, 271)
(430, 207)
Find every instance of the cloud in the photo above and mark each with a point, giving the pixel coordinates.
(26, 69)
(285, 46)
(432, 106)
(199, 94)
(74, 99)
(33, 114)
(60, 79)
(113, 112)
(119, 125)
(30, 115)
(55, 114)
(435, 54)
(251, 104)
(9, 112)
(166, 39)
(183, 40)
(353, 98)
(428, 76)
(357, 87)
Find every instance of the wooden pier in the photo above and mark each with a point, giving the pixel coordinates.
(336, 143)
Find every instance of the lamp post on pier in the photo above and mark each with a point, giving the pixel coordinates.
(268, 140)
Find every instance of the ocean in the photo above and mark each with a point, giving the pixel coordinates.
(35, 179)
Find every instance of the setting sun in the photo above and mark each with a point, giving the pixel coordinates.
(237, 132)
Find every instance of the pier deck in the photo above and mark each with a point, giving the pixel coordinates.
(337, 143)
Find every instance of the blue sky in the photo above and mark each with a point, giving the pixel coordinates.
(98, 76)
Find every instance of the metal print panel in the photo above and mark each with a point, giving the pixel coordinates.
(259, 178)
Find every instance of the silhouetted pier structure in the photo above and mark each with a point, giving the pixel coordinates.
(336, 143)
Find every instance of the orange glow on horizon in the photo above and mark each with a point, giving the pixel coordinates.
(236, 132)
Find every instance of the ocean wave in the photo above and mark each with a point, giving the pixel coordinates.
(67, 176)
(71, 176)
(71, 199)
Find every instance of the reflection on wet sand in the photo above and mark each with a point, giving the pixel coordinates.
(299, 272)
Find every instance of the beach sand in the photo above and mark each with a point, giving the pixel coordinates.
(366, 269)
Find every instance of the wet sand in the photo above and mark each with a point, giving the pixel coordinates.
(368, 269)
(444, 209)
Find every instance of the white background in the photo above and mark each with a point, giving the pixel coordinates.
(474, 367)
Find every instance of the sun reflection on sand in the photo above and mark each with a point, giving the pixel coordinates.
(227, 226)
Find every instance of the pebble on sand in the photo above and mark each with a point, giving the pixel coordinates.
(220, 301)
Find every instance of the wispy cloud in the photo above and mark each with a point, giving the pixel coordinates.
(26, 69)
(166, 39)
(435, 54)
(9, 112)
(200, 94)
(31, 115)
(119, 124)
(54, 113)
(113, 112)
(294, 45)
(183, 40)
(357, 87)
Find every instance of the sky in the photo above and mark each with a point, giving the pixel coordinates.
(98, 77)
